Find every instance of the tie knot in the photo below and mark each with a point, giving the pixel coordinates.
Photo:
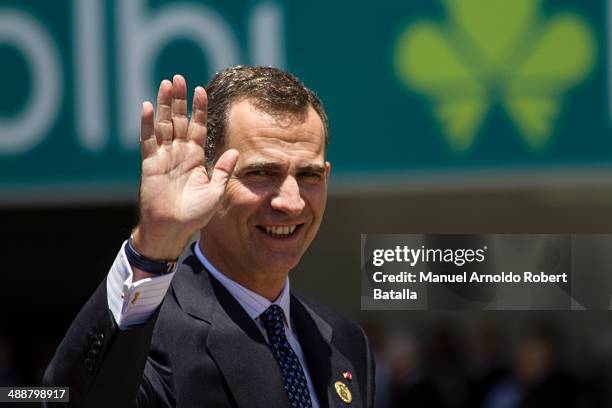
(273, 320)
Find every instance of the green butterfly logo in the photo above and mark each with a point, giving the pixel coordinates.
(495, 51)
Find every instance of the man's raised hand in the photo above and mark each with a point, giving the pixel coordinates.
(177, 196)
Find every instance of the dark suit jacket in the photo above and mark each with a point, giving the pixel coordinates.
(201, 349)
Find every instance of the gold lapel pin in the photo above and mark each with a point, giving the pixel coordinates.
(343, 392)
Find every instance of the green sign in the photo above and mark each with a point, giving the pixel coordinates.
(412, 89)
(496, 52)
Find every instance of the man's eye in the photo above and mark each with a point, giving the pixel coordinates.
(311, 176)
(258, 173)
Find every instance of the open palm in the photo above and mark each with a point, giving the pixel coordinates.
(177, 196)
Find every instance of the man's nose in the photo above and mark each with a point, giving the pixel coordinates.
(288, 198)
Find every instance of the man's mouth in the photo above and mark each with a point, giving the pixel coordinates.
(280, 231)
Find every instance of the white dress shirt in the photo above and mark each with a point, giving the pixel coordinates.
(133, 303)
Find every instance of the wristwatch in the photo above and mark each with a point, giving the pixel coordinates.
(145, 264)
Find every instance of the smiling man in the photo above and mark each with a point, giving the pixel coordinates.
(216, 324)
(275, 200)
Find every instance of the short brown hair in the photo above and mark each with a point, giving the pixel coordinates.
(272, 90)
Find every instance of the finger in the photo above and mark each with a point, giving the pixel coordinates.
(179, 107)
(163, 117)
(197, 126)
(148, 143)
(224, 168)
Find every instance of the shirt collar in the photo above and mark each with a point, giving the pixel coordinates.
(254, 304)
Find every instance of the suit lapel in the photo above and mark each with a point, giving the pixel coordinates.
(241, 353)
(234, 341)
(243, 356)
(325, 362)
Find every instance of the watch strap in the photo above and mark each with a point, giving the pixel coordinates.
(145, 264)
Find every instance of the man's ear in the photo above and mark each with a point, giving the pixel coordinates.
(327, 170)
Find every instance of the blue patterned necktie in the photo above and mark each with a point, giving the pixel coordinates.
(294, 380)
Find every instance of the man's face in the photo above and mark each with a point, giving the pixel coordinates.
(275, 199)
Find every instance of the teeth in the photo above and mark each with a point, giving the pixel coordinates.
(280, 230)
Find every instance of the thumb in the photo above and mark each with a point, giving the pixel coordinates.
(224, 168)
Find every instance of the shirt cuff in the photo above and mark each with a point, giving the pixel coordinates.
(133, 303)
